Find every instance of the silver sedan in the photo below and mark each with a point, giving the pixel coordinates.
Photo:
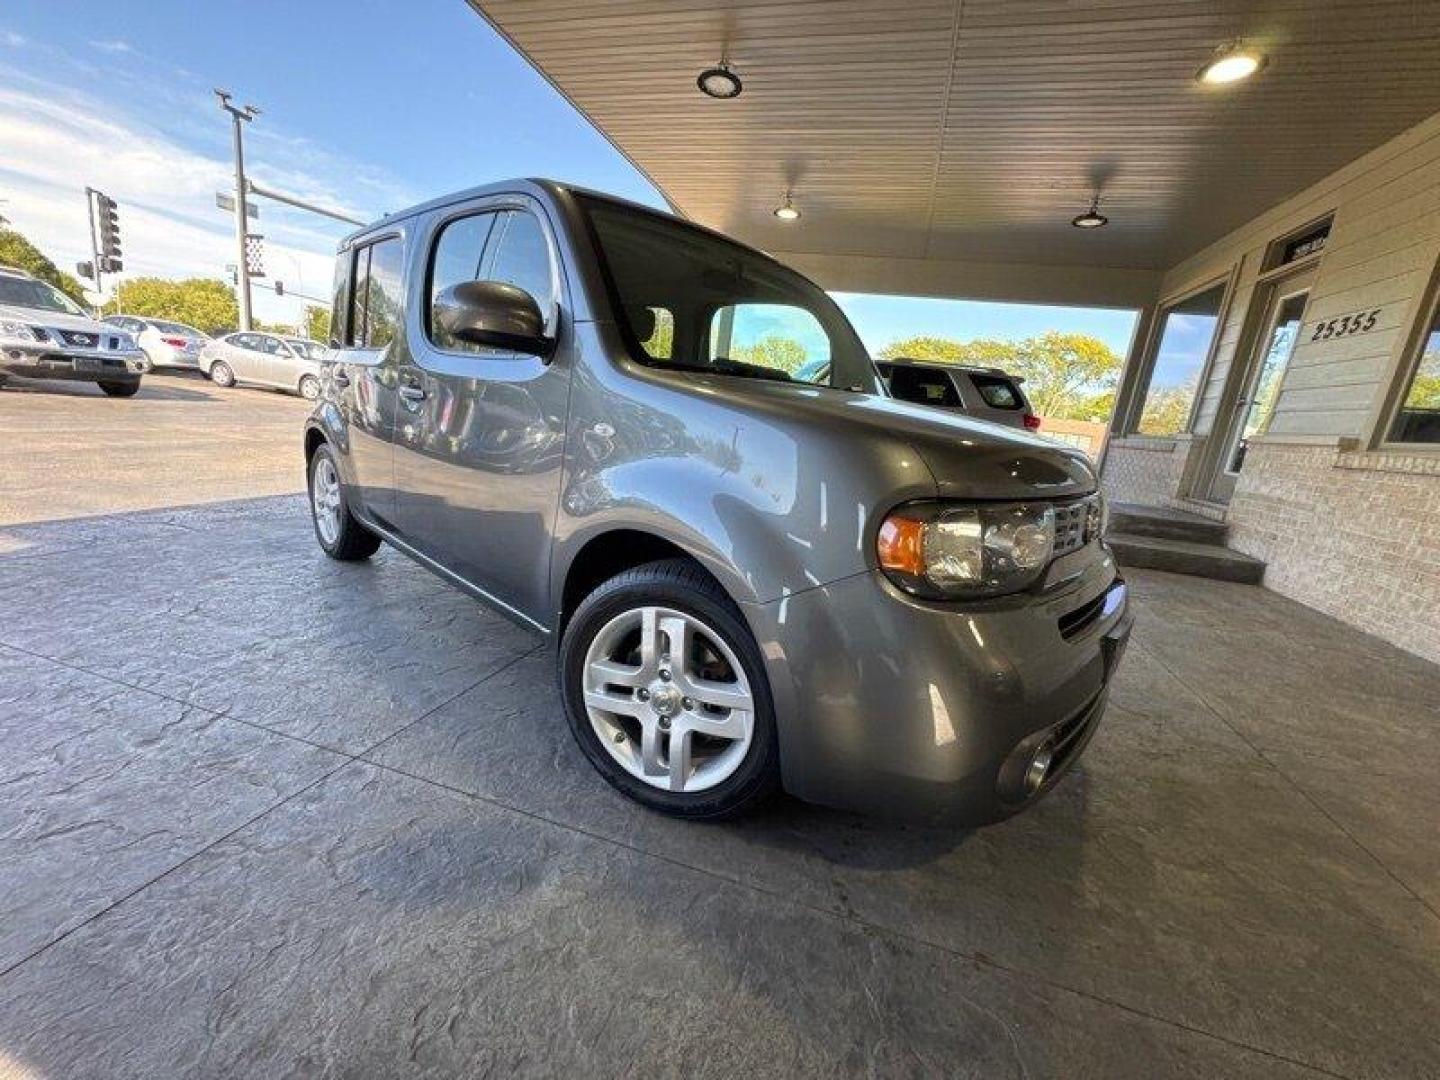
(260, 359)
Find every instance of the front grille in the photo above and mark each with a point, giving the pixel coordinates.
(79, 338)
(1074, 524)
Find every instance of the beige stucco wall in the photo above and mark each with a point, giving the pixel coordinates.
(1348, 532)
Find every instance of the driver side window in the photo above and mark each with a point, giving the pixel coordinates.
(780, 337)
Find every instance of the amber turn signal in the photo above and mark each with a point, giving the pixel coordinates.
(901, 545)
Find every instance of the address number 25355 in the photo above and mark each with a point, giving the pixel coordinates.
(1346, 325)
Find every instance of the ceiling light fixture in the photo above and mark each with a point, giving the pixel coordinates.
(787, 210)
(719, 81)
(1230, 63)
(1092, 218)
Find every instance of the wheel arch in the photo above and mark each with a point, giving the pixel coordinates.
(612, 552)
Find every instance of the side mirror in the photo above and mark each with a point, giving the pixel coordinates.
(492, 313)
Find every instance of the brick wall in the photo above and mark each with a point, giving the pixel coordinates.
(1141, 470)
(1356, 535)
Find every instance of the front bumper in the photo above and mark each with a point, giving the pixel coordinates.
(42, 360)
(931, 711)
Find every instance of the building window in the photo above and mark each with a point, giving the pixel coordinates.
(1187, 330)
(1418, 419)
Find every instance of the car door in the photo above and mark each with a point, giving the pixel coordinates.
(368, 334)
(480, 432)
(271, 360)
(242, 353)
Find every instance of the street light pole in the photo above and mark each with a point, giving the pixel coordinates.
(242, 274)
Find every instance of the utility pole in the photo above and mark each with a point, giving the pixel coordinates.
(243, 114)
(94, 241)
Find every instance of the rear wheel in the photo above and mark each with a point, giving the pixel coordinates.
(309, 387)
(121, 389)
(221, 375)
(340, 535)
(666, 693)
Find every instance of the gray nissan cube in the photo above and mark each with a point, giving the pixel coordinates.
(671, 455)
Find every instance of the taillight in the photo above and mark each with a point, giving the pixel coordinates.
(1032, 422)
(177, 342)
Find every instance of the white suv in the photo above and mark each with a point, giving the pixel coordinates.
(46, 335)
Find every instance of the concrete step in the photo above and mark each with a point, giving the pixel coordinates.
(1134, 519)
(1185, 557)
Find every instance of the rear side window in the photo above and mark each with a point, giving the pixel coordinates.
(375, 300)
(997, 392)
(924, 386)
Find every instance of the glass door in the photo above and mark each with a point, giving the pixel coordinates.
(1259, 386)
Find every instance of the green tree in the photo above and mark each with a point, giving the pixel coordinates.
(204, 303)
(1066, 375)
(773, 351)
(20, 253)
(317, 323)
(1166, 411)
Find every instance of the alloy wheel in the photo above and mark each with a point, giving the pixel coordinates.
(668, 699)
(325, 500)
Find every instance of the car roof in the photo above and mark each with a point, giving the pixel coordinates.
(945, 365)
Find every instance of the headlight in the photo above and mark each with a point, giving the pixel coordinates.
(942, 550)
(24, 331)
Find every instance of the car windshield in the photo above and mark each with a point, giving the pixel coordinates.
(33, 293)
(312, 350)
(690, 300)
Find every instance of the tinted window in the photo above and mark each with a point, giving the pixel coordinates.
(779, 337)
(1186, 331)
(1419, 417)
(996, 392)
(459, 257)
(375, 309)
(924, 386)
(245, 341)
(522, 258)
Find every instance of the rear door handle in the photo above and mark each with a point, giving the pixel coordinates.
(412, 393)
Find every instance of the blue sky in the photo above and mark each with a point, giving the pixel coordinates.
(365, 109)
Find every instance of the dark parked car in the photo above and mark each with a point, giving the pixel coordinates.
(566, 405)
(982, 392)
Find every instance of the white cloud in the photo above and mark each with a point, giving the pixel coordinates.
(115, 46)
(12, 39)
(54, 142)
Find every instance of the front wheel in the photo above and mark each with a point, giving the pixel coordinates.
(340, 535)
(221, 375)
(121, 389)
(309, 387)
(666, 693)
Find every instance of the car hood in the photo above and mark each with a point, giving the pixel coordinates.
(969, 458)
(58, 319)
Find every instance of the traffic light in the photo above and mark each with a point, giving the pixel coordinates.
(85, 270)
(279, 288)
(107, 226)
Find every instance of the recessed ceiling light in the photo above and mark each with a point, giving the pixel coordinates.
(719, 81)
(1092, 218)
(787, 210)
(1231, 63)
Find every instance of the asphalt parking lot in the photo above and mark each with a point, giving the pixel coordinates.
(180, 440)
(266, 814)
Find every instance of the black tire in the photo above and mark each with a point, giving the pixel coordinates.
(683, 585)
(353, 541)
(221, 375)
(121, 389)
(309, 388)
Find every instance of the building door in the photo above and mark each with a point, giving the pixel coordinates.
(1254, 388)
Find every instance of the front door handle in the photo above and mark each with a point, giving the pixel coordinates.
(412, 393)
